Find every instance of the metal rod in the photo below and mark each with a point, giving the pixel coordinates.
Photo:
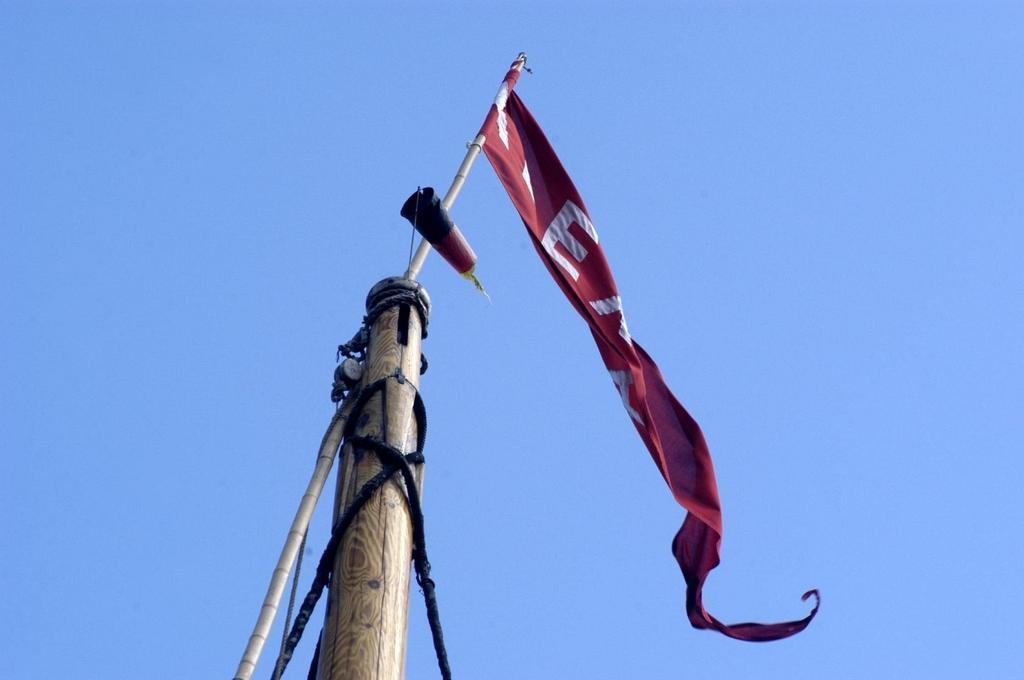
(279, 579)
(449, 199)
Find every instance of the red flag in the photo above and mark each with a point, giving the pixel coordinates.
(567, 242)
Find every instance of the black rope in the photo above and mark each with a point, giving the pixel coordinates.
(323, 569)
(419, 552)
(391, 292)
(392, 460)
(412, 236)
(291, 601)
(418, 409)
(314, 663)
(285, 653)
(398, 292)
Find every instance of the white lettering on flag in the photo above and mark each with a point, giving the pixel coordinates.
(500, 101)
(610, 306)
(558, 232)
(529, 184)
(623, 380)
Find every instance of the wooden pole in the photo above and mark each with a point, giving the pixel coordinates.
(364, 636)
(366, 626)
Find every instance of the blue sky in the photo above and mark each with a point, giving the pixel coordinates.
(813, 211)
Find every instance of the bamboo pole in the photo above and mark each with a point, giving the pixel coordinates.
(364, 636)
(300, 524)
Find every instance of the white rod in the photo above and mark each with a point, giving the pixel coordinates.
(475, 147)
(460, 178)
(279, 579)
(449, 199)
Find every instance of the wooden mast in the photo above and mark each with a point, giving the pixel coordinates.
(366, 625)
(364, 635)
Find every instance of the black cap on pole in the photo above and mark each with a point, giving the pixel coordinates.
(426, 213)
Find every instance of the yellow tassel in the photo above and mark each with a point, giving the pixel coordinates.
(471, 275)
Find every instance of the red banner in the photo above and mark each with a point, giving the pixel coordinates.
(567, 242)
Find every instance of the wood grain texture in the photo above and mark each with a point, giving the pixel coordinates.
(364, 636)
